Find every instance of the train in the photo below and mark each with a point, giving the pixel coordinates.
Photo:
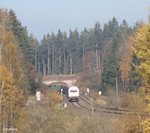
(73, 94)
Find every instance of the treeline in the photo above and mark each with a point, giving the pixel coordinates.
(17, 72)
(94, 50)
(100, 50)
(13, 79)
(27, 45)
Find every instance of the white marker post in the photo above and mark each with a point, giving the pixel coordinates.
(65, 105)
(38, 95)
(88, 91)
(100, 93)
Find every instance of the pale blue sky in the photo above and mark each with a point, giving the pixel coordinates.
(46, 16)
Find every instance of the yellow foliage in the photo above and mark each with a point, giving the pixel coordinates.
(142, 51)
(126, 59)
(11, 74)
(9, 91)
(142, 41)
(146, 125)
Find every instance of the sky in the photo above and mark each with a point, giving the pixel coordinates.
(47, 16)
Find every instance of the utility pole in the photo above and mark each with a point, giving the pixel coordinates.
(92, 109)
(117, 89)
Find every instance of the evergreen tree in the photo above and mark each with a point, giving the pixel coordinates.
(23, 42)
(21, 36)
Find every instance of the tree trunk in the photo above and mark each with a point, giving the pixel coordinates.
(64, 60)
(83, 58)
(60, 64)
(71, 71)
(35, 58)
(48, 61)
(44, 67)
(97, 58)
(39, 67)
(53, 59)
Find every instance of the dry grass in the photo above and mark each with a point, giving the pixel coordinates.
(46, 117)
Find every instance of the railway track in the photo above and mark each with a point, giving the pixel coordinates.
(76, 105)
(99, 108)
(85, 104)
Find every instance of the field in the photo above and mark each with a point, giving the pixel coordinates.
(49, 116)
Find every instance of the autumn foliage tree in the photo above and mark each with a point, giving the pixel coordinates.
(142, 51)
(11, 75)
(126, 64)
